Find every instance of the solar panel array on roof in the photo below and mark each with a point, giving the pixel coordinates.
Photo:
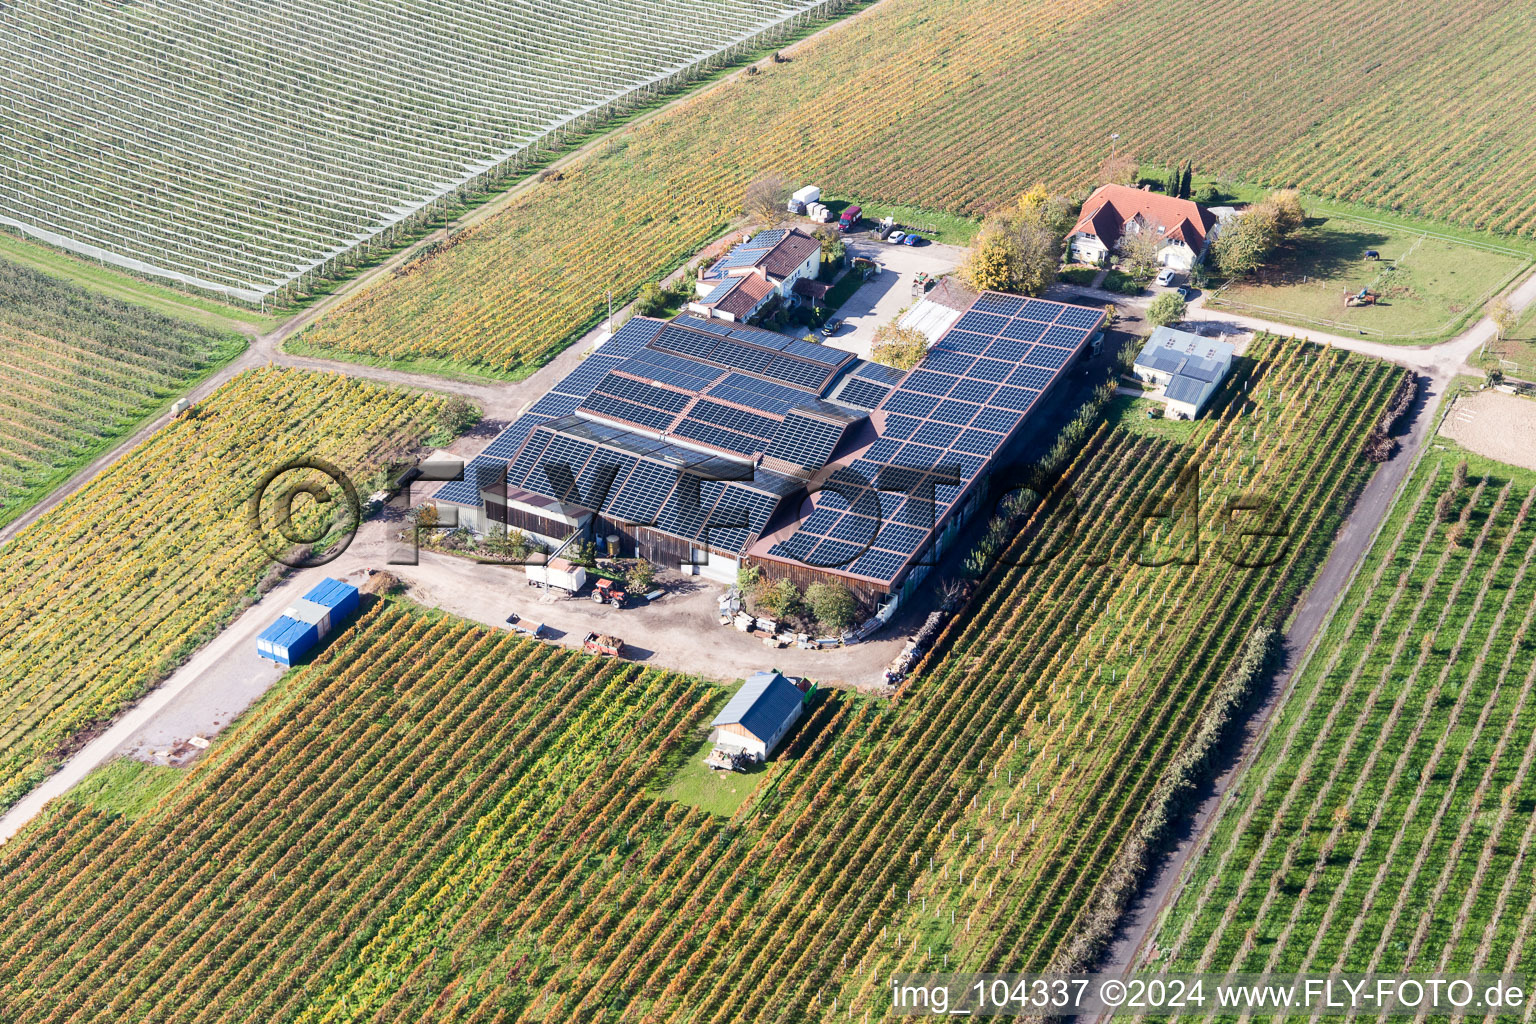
(805, 441)
(954, 411)
(865, 394)
(750, 350)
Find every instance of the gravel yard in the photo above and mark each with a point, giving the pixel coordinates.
(1496, 424)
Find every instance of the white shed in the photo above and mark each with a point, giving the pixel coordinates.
(758, 716)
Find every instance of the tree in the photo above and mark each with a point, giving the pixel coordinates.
(990, 265)
(833, 249)
(1207, 194)
(1286, 210)
(901, 347)
(832, 604)
(582, 553)
(1139, 250)
(1032, 202)
(640, 576)
(1166, 309)
(1188, 180)
(1245, 245)
(1171, 183)
(782, 599)
(765, 199)
(456, 415)
(651, 299)
(1120, 169)
(1504, 318)
(747, 578)
(1459, 476)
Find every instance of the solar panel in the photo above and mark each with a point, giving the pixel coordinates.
(804, 441)
(740, 504)
(1001, 420)
(718, 437)
(1064, 337)
(1006, 305)
(959, 413)
(467, 491)
(964, 341)
(599, 482)
(918, 456)
(645, 490)
(564, 456)
(646, 394)
(901, 427)
(1008, 350)
(929, 383)
(508, 442)
(817, 353)
(973, 391)
(883, 449)
(982, 323)
(688, 506)
(896, 537)
(734, 419)
(904, 401)
(1045, 355)
(968, 465)
(528, 458)
(677, 371)
(991, 369)
(879, 372)
(742, 357)
(1077, 316)
(1039, 309)
(811, 376)
(763, 395)
(605, 405)
(794, 546)
(1017, 399)
(1031, 377)
(978, 442)
(688, 343)
(834, 554)
(555, 404)
(863, 393)
(632, 337)
(948, 361)
(584, 378)
(856, 529)
(877, 565)
(937, 434)
(1023, 330)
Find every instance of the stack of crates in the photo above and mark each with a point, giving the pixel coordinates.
(328, 604)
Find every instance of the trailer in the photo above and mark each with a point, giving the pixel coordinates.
(803, 198)
(557, 574)
(603, 644)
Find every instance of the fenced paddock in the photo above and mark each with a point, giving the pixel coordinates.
(242, 146)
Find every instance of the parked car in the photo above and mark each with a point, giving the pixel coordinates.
(1166, 278)
(831, 327)
(1183, 292)
(895, 237)
(850, 217)
(913, 238)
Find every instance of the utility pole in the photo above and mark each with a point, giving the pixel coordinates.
(1113, 143)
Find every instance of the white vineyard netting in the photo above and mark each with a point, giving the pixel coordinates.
(236, 145)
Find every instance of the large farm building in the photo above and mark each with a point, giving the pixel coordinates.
(709, 445)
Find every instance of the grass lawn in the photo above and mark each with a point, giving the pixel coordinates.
(449, 369)
(948, 228)
(698, 786)
(1516, 354)
(125, 787)
(1431, 284)
(1131, 413)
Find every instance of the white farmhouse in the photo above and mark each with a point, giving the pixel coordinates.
(1184, 228)
(1189, 368)
(768, 264)
(758, 716)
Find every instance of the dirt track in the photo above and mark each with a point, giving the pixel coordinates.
(1492, 423)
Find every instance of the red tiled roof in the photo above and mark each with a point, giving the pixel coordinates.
(785, 258)
(746, 296)
(1109, 208)
(812, 289)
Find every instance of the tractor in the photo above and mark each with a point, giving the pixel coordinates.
(609, 592)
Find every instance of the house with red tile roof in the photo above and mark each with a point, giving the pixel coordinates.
(1184, 228)
(769, 263)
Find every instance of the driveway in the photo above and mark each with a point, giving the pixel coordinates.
(889, 292)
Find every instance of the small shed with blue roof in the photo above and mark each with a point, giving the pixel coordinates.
(758, 716)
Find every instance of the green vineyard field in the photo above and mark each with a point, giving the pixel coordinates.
(438, 821)
(959, 105)
(1386, 824)
(103, 595)
(78, 372)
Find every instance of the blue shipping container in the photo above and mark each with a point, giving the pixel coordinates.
(341, 598)
(286, 640)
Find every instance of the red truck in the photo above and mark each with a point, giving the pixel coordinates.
(849, 218)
